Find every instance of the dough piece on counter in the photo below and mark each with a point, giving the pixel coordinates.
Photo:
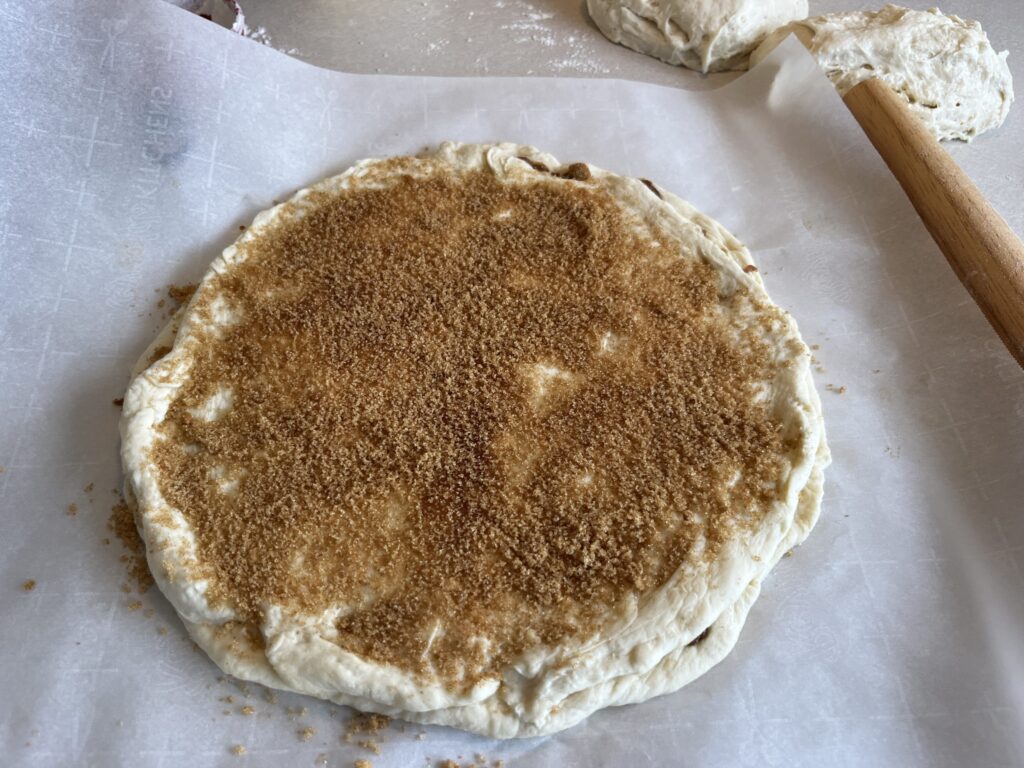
(475, 438)
(705, 35)
(944, 66)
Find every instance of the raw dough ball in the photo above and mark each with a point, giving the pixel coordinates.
(943, 65)
(706, 35)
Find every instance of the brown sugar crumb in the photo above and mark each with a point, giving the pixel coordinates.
(72, 510)
(158, 352)
(118, 401)
(448, 764)
(750, 268)
(362, 764)
(247, 710)
(270, 697)
(88, 488)
(498, 404)
(134, 605)
(28, 585)
(227, 699)
(122, 523)
(815, 347)
(238, 750)
(367, 722)
(180, 294)
(161, 630)
(294, 712)
(307, 733)
(576, 172)
(834, 388)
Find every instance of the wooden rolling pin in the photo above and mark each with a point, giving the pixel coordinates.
(978, 243)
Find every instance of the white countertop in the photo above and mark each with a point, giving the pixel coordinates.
(515, 37)
(557, 37)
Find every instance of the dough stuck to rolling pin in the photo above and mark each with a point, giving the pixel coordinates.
(944, 66)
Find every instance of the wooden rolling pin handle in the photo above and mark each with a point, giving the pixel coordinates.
(978, 243)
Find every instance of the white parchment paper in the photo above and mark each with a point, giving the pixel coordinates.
(136, 138)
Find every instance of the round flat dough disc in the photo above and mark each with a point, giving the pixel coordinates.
(475, 438)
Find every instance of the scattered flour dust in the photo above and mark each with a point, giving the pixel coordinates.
(259, 34)
(534, 25)
(228, 13)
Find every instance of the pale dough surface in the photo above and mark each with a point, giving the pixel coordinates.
(645, 649)
(944, 66)
(705, 35)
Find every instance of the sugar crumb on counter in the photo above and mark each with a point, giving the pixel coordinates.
(122, 523)
(180, 294)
